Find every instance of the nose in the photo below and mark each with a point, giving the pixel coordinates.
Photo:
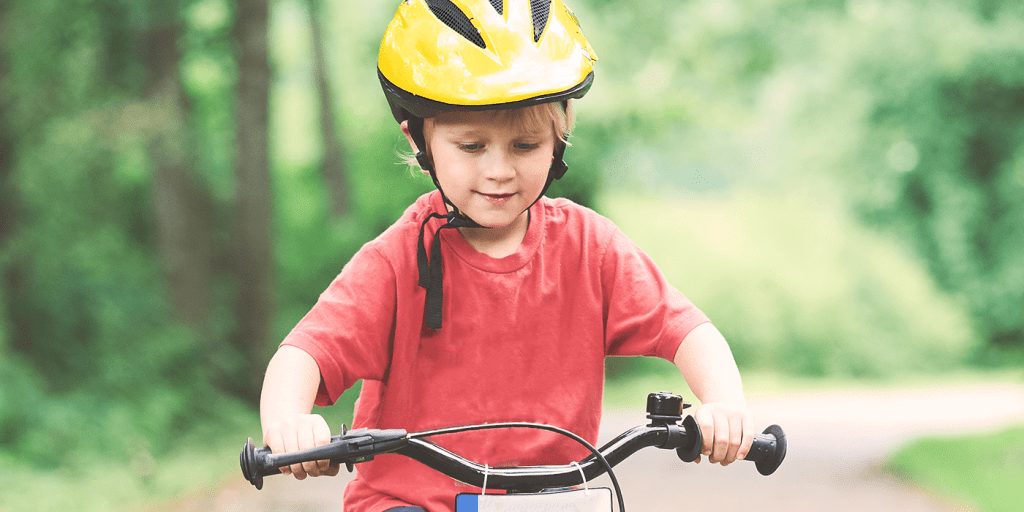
(500, 167)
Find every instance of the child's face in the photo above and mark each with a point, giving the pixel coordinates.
(490, 169)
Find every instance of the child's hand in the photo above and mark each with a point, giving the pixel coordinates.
(728, 431)
(301, 432)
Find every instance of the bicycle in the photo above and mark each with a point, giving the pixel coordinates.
(547, 486)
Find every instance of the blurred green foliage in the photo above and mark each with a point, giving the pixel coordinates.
(799, 286)
(907, 113)
(837, 183)
(920, 124)
(963, 126)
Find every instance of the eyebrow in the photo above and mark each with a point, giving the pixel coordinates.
(459, 131)
(475, 132)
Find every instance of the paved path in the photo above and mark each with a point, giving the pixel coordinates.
(837, 441)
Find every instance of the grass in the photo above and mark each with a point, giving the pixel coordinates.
(985, 472)
(204, 459)
(86, 484)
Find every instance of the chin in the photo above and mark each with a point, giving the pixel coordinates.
(493, 221)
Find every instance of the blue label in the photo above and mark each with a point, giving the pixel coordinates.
(561, 500)
(466, 502)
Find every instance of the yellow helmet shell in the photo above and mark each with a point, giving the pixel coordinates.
(440, 55)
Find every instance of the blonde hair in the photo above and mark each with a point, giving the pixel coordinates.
(530, 118)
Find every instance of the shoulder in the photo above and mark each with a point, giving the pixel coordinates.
(574, 227)
(567, 219)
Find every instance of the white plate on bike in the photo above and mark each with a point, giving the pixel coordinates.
(572, 500)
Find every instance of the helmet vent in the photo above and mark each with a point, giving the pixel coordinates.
(539, 9)
(451, 15)
(499, 5)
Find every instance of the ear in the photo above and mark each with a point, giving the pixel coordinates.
(412, 143)
(405, 130)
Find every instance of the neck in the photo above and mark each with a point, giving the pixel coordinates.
(498, 242)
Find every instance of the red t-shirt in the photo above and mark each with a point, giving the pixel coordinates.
(524, 338)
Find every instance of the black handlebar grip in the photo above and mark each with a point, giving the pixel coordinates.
(768, 450)
(695, 441)
(252, 461)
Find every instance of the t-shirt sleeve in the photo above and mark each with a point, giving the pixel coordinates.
(348, 331)
(644, 314)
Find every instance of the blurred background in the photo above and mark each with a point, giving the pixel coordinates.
(837, 183)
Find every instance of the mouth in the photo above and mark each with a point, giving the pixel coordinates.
(497, 198)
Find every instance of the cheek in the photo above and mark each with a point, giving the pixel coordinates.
(539, 167)
(450, 171)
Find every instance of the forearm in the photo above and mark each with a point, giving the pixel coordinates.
(289, 387)
(725, 421)
(707, 364)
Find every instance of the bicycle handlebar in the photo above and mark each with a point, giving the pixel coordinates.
(360, 445)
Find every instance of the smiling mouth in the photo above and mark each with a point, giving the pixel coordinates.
(497, 199)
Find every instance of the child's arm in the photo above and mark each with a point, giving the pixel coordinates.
(289, 389)
(727, 424)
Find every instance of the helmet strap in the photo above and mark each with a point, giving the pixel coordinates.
(558, 165)
(416, 132)
(557, 170)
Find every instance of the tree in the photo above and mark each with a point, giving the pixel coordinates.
(333, 165)
(252, 262)
(8, 197)
(182, 206)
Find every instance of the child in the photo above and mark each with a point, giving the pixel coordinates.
(521, 298)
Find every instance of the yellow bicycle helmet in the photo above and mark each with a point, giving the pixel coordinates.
(442, 55)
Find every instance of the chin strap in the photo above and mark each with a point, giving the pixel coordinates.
(431, 272)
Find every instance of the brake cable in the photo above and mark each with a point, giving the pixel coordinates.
(539, 426)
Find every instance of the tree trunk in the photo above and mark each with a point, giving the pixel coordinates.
(11, 277)
(8, 197)
(332, 167)
(253, 240)
(183, 207)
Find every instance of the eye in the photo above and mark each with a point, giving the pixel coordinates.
(470, 147)
(527, 146)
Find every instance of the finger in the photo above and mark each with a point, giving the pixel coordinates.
(291, 444)
(307, 440)
(332, 470)
(748, 435)
(275, 440)
(720, 446)
(706, 423)
(735, 439)
(321, 437)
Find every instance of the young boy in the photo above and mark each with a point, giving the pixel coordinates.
(521, 298)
